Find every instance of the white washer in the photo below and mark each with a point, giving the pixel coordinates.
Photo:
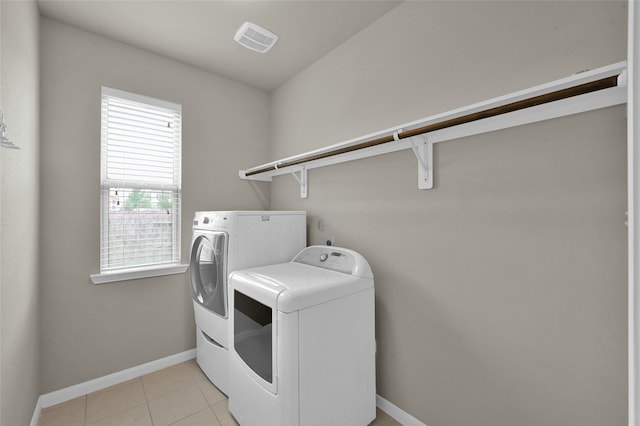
(303, 341)
(221, 243)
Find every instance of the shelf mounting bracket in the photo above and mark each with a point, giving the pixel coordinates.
(302, 180)
(423, 150)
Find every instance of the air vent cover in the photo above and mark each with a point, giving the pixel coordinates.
(255, 37)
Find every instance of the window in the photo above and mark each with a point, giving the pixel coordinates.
(140, 182)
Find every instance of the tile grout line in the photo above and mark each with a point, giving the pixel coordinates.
(194, 382)
(146, 399)
(197, 382)
(149, 411)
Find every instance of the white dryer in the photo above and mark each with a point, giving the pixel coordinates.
(303, 341)
(221, 243)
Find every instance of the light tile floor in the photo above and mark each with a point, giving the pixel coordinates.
(180, 395)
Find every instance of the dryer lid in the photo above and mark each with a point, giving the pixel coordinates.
(293, 286)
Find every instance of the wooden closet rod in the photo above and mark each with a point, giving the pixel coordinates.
(582, 89)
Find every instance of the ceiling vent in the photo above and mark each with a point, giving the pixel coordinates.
(255, 37)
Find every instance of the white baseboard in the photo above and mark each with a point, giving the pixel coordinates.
(36, 413)
(397, 413)
(66, 394)
(75, 391)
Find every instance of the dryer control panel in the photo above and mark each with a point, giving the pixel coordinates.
(333, 258)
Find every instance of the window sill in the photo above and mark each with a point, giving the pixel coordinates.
(137, 273)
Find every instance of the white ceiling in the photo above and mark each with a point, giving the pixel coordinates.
(200, 33)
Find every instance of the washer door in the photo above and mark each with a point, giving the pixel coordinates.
(208, 271)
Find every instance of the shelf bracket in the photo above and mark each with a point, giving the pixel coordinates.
(424, 153)
(302, 180)
(423, 150)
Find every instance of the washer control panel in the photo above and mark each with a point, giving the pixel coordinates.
(211, 220)
(328, 258)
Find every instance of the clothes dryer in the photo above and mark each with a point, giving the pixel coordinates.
(303, 341)
(221, 243)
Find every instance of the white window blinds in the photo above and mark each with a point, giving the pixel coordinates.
(140, 181)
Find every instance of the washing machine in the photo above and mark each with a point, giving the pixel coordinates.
(302, 346)
(221, 243)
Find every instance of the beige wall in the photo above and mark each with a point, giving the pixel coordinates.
(501, 293)
(19, 191)
(89, 331)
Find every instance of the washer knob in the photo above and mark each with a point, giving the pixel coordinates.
(323, 257)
